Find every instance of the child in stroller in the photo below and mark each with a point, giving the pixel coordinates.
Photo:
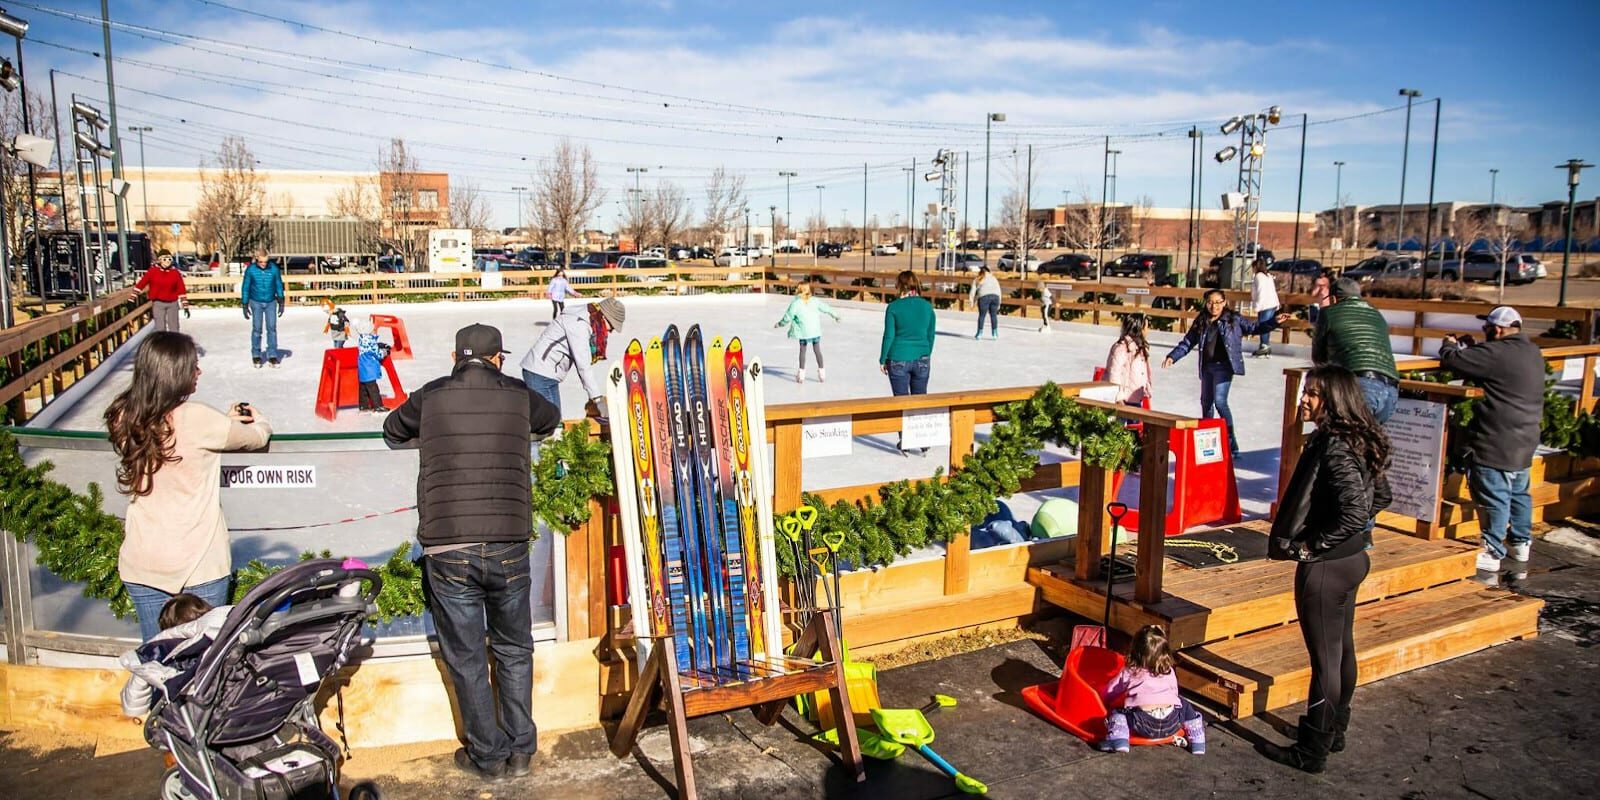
(239, 716)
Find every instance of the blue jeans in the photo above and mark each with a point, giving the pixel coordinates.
(1215, 381)
(1502, 498)
(264, 314)
(481, 590)
(148, 600)
(548, 388)
(909, 377)
(1262, 315)
(1381, 397)
(989, 304)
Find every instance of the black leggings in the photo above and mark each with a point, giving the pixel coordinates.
(816, 347)
(1325, 599)
(558, 306)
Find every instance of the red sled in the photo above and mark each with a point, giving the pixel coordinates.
(1074, 703)
(341, 385)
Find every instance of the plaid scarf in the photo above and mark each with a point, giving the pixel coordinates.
(597, 334)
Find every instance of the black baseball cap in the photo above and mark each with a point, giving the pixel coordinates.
(478, 341)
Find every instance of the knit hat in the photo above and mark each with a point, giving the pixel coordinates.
(613, 311)
(1345, 288)
(361, 325)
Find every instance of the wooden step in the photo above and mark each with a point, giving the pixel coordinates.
(1204, 605)
(1455, 510)
(1269, 669)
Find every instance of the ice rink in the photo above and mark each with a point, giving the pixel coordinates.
(365, 479)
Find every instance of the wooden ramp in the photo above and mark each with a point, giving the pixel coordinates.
(1234, 623)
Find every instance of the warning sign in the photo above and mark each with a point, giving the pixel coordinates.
(248, 477)
(1207, 445)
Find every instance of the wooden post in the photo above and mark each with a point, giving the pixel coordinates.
(1152, 514)
(1416, 332)
(1092, 485)
(1293, 437)
(958, 552)
(1586, 388)
(786, 466)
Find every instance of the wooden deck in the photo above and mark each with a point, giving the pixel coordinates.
(1239, 649)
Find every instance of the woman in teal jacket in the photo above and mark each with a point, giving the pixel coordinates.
(803, 318)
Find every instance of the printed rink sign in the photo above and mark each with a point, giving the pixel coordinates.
(269, 477)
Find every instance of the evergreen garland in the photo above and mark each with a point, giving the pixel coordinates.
(911, 515)
(571, 471)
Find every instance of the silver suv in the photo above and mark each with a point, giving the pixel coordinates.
(1482, 267)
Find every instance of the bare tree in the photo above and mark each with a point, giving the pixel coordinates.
(359, 201)
(725, 202)
(1082, 226)
(1016, 224)
(230, 217)
(636, 220)
(566, 192)
(671, 214)
(1138, 216)
(398, 187)
(468, 206)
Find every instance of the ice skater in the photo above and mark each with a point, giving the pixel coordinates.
(803, 318)
(573, 343)
(1046, 306)
(559, 290)
(337, 327)
(261, 294)
(986, 295)
(371, 351)
(909, 327)
(1128, 363)
(1218, 333)
(1264, 296)
(1146, 697)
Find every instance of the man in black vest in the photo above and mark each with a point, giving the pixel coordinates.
(475, 513)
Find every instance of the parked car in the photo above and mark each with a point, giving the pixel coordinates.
(1539, 270)
(1227, 258)
(1480, 267)
(1371, 269)
(829, 250)
(300, 264)
(958, 262)
(1013, 262)
(790, 248)
(886, 250)
(1304, 266)
(1133, 265)
(1073, 265)
(600, 259)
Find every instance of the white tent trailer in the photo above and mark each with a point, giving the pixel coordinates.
(450, 250)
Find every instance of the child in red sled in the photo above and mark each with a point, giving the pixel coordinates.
(1149, 705)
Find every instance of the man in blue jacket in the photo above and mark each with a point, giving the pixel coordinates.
(261, 294)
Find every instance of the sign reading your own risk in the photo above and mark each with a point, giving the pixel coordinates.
(269, 477)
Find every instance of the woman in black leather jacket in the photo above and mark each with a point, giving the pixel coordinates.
(1337, 488)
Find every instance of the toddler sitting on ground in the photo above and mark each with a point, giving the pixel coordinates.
(1150, 706)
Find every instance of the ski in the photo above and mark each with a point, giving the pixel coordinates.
(663, 378)
(737, 421)
(644, 474)
(714, 566)
(735, 555)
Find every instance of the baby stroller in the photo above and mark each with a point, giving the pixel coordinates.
(241, 723)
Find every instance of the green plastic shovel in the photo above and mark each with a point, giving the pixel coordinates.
(909, 726)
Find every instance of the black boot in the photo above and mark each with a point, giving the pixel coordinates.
(1341, 723)
(1309, 753)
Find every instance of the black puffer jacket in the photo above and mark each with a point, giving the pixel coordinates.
(473, 479)
(1330, 500)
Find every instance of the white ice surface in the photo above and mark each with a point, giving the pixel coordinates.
(373, 482)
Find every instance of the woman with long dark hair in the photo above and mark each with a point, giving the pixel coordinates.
(1218, 333)
(170, 466)
(1128, 364)
(906, 353)
(1338, 486)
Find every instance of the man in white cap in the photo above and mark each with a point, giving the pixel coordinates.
(575, 340)
(1503, 434)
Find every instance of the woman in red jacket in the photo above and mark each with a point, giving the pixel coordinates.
(163, 284)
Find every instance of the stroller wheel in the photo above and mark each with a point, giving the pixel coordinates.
(172, 787)
(365, 790)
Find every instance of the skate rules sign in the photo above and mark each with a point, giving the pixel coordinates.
(1416, 465)
(928, 427)
(272, 477)
(825, 436)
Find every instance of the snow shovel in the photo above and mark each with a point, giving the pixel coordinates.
(1095, 635)
(909, 726)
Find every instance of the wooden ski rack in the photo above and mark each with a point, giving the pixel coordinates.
(773, 682)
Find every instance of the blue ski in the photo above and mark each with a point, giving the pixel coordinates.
(683, 478)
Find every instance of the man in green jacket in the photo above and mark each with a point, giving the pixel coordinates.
(1354, 335)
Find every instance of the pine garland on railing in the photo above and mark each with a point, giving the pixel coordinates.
(911, 515)
(78, 541)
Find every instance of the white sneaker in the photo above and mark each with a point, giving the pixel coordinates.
(1519, 552)
(822, 375)
(1487, 562)
(800, 377)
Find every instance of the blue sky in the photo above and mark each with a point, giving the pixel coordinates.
(882, 83)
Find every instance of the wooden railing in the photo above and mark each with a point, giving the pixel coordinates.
(45, 355)
(380, 287)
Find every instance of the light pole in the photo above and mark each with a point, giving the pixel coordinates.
(993, 117)
(1494, 175)
(637, 213)
(1405, 156)
(772, 217)
(814, 241)
(519, 190)
(1433, 171)
(144, 180)
(911, 185)
(788, 207)
(906, 242)
(1338, 204)
(1573, 167)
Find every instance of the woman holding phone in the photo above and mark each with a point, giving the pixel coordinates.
(169, 452)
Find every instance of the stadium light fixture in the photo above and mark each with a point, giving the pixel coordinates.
(88, 114)
(1231, 125)
(1226, 154)
(89, 143)
(9, 79)
(13, 26)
